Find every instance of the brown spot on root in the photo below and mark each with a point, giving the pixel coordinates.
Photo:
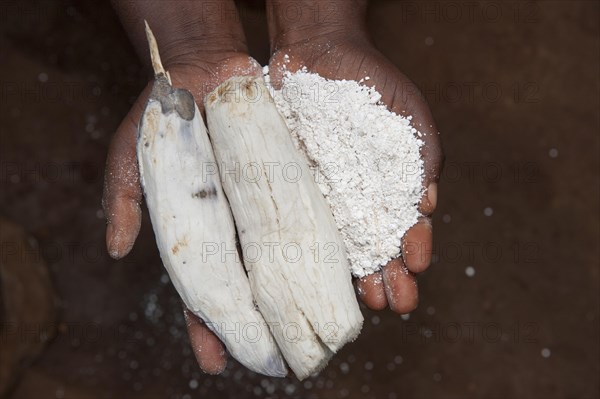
(180, 244)
(212, 98)
(205, 193)
(224, 88)
(250, 86)
(231, 89)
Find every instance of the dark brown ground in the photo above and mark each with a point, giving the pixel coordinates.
(510, 84)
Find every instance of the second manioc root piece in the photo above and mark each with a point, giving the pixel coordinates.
(293, 253)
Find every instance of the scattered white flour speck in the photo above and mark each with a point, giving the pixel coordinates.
(470, 271)
(546, 353)
(364, 158)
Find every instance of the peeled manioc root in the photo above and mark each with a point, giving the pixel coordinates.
(293, 252)
(191, 217)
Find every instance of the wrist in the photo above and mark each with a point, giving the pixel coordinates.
(301, 21)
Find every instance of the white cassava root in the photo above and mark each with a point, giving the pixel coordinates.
(190, 215)
(301, 277)
(296, 301)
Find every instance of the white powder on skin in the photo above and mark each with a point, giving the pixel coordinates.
(364, 158)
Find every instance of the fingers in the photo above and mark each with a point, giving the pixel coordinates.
(400, 287)
(372, 292)
(208, 349)
(396, 285)
(431, 154)
(279, 64)
(429, 199)
(413, 104)
(417, 246)
(122, 191)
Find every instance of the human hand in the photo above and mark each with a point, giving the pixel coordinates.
(339, 48)
(198, 58)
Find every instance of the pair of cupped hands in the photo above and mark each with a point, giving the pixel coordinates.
(201, 53)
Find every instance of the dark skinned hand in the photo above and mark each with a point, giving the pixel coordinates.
(200, 55)
(329, 38)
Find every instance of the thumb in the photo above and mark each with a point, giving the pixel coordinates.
(122, 191)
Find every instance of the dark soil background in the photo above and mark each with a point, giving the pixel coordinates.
(514, 87)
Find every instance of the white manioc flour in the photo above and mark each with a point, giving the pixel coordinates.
(364, 158)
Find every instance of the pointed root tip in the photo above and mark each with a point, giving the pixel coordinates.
(154, 54)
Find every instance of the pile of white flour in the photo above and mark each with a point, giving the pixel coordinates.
(364, 158)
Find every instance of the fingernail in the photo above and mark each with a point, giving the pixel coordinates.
(110, 244)
(432, 196)
(212, 369)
